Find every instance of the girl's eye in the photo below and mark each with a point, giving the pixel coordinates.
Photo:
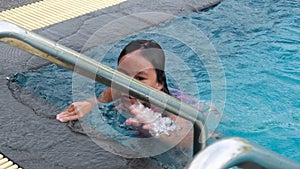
(140, 78)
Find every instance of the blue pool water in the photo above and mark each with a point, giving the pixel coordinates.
(258, 43)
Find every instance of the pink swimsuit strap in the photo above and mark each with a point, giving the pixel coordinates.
(193, 101)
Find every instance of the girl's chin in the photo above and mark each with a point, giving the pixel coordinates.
(127, 102)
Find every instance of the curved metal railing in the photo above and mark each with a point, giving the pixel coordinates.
(222, 154)
(79, 63)
(231, 152)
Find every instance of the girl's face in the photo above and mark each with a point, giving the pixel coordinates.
(139, 68)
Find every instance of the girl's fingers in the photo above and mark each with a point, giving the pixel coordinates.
(67, 113)
(136, 123)
(67, 118)
(62, 114)
(147, 127)
(132, 122)
(141, 118)
(75, 111)
(134, 111)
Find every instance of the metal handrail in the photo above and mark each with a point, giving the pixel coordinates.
(230, 152)
(79, 63)
(222, 154)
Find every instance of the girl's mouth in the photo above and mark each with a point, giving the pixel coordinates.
(128, 98)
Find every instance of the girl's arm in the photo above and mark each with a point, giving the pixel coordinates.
(78, 109)
(185, 133)
(106, 96)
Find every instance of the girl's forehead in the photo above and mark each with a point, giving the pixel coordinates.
(134, 63)
(135, 59)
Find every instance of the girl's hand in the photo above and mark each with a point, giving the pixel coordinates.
(140, 119)
(75, 111)
(168, 129)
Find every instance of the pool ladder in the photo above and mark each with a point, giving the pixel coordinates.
(222, 154)
(230, 152)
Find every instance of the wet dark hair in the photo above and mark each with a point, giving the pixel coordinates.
(153, 52)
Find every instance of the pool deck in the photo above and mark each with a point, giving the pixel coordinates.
(30, 135)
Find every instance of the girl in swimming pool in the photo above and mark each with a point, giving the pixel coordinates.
(142, 60)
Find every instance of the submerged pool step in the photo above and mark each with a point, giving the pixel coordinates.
(48, 12)
(6, 163)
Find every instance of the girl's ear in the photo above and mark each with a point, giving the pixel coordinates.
(159, 86)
